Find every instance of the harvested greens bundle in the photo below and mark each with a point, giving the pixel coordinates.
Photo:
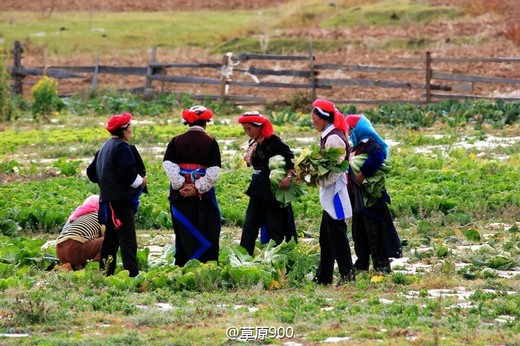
(372, 187)
(277, 167)
(314, 164)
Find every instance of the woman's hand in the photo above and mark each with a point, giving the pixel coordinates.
(284, 184)
(360, 177)
(188, 190)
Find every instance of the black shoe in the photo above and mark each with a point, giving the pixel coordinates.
(320, 282)
(383, 270)
(350, 277)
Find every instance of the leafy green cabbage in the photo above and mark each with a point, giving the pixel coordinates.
(372, 187)
(278, 172)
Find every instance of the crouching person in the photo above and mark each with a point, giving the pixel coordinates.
(81, 238)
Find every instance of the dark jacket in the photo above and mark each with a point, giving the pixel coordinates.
(260, 184)
(114, 169)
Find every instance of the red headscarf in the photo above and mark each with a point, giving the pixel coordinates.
(258, 119)
(326, 109)
(117, 121)
(195, 113)
(352, 119)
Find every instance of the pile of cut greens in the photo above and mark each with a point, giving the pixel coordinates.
(372, 187)
(315, 164)
(285, 197)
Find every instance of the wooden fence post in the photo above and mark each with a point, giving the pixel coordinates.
(95, 76)
(17, 87)
(223, 78)
(225, 74)
(312, 70)
(428, 77)
(223, 85)
(150, 71)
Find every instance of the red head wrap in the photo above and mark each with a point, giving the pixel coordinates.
(258, 119)
(195, 113)
(352, 119)
(117, 121)
(327, 110)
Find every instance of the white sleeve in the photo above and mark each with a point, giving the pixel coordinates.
(205, 183)
(137, 182)
(173, 172)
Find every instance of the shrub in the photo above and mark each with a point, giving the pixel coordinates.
(46, 99)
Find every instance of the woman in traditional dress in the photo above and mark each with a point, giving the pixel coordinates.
(264, 211)
(192, 164)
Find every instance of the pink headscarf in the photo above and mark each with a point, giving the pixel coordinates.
(90, 205)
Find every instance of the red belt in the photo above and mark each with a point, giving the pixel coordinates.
(192, 166)
(192, 171)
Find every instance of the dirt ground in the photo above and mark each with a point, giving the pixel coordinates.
(502, 28)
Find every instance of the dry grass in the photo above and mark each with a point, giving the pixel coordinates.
(480, 7)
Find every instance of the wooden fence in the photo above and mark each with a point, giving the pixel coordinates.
(234, 79)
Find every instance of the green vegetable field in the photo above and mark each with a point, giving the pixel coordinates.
(455, 199)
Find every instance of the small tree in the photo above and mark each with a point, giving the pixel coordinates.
(46, 99)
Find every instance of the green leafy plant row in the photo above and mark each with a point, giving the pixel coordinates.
(42, 206)
(455, 113)
(460, 187)
(273, 266)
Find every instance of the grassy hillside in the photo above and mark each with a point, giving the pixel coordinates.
(66, 34)
(70, 33)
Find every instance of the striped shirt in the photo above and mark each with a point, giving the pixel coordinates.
(83, 229)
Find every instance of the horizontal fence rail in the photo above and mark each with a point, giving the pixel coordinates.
(368, 68)
(470, 78)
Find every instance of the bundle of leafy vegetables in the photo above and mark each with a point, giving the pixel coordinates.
(315, 164)
(285, 197)
(372, 187)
